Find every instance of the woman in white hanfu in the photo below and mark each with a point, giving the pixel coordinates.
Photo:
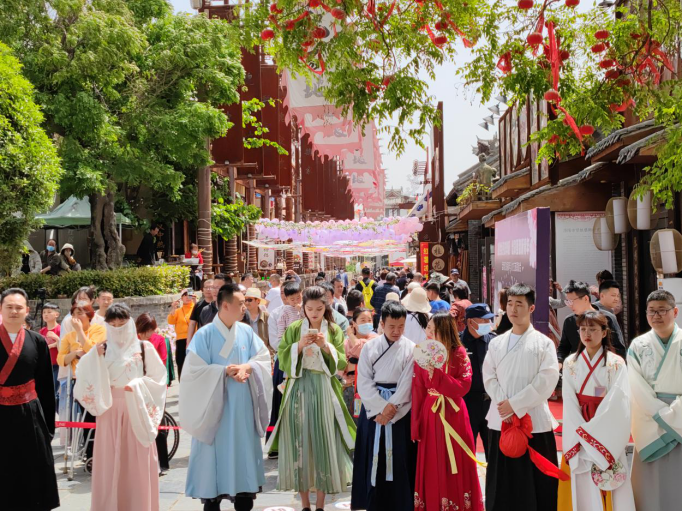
(596, 427)
(655, 372)
(123, 384)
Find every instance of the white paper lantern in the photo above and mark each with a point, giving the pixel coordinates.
(639, 210)
(666, 251)
(617, 215)
(604, 239)
(197, 4)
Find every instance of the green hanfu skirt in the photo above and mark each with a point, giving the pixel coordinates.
(312, 454)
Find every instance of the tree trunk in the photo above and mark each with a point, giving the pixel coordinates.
(116, 250)
(98, 257)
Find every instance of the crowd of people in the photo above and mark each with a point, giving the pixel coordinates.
(328, 376)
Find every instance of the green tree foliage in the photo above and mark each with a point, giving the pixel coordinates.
(375, 56)
(130, 91)
(29, 166)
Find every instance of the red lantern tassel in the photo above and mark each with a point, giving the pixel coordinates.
(504, 64)
(320, 60)
(571, 122)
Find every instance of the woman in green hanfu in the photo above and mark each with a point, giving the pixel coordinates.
(315, 432)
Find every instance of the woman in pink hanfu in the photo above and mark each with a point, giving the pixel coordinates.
(123, 384)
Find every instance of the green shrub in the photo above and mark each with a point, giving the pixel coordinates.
(124, 282)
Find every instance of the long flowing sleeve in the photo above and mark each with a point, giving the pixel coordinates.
(458, 384)
(572, 419)
(489, 371)
(202, 391)
(642, 392)
(92, 389)
(289, 358)
(367, 388)
(260, 383)
(402, 398)
(542, 385)
(336, 359)
(418, 397)
(273, 340)
(45, 382)
(147, 400)
(605, 436)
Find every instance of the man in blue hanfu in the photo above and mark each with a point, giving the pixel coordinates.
(225, 397)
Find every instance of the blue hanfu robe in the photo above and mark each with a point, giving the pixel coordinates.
(226, 418)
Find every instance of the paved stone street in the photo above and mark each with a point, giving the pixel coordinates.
(75, 495)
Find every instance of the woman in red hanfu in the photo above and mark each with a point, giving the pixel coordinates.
(447, 477)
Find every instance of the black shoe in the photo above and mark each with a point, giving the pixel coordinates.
(243, 503)
(212, 505)
(305, 509)
(273, 455)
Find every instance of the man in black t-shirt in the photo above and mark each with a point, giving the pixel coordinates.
(207, 291)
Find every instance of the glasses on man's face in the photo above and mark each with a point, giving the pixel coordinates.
(657, 312)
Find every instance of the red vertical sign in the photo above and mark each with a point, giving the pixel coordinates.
(424, 259)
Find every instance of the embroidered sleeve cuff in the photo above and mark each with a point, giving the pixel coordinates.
(593, 445)
(670, 430)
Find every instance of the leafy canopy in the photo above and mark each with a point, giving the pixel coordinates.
(29, 166)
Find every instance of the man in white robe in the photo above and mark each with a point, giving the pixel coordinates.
(224, 404)
(655, 375)
(520, 372)
(385, 456)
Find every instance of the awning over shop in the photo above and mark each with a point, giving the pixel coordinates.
(74, 212)
(559, 197)
(609, 146)
(512, 184)
(644, 149)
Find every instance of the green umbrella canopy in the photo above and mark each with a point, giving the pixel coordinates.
(74, 212)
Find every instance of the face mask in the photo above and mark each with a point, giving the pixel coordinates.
(365, 329)
(50, 248)
(269, 285)
(484, 329)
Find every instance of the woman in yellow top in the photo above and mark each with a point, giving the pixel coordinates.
(179, 317)
(84, 336)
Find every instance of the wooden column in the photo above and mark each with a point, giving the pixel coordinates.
(266, 204)
(231, 244)
(204, 234)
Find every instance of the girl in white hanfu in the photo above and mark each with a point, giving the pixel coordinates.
(123, 384)
(655, 372)
(596, 426)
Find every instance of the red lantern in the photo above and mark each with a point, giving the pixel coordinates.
(267, 34)
(440, 25)
(612, 74)
(607, 63)
(339, 14)
(552, 96)
(598, 48)
(525, 4)
(314, 3)
(440, 40)
(319, 33)
(534, 38)
(587, 129)
(274, 9)
(564, 54)
(572, 3)
(601, 34)
(624, 82)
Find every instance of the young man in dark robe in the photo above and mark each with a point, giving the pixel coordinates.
(27, 477)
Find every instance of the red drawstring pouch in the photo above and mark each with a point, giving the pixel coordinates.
(514, 444)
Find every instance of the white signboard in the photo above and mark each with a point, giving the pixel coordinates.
(577, 258)
(266, 259)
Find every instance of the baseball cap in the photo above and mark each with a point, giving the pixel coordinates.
(454, 271)
(479, 311)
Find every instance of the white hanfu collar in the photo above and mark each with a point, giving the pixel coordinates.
(228, 334)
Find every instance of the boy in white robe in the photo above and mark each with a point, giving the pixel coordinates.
(520, 372)
(655, 374)
(385, 459)
(224, 404)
